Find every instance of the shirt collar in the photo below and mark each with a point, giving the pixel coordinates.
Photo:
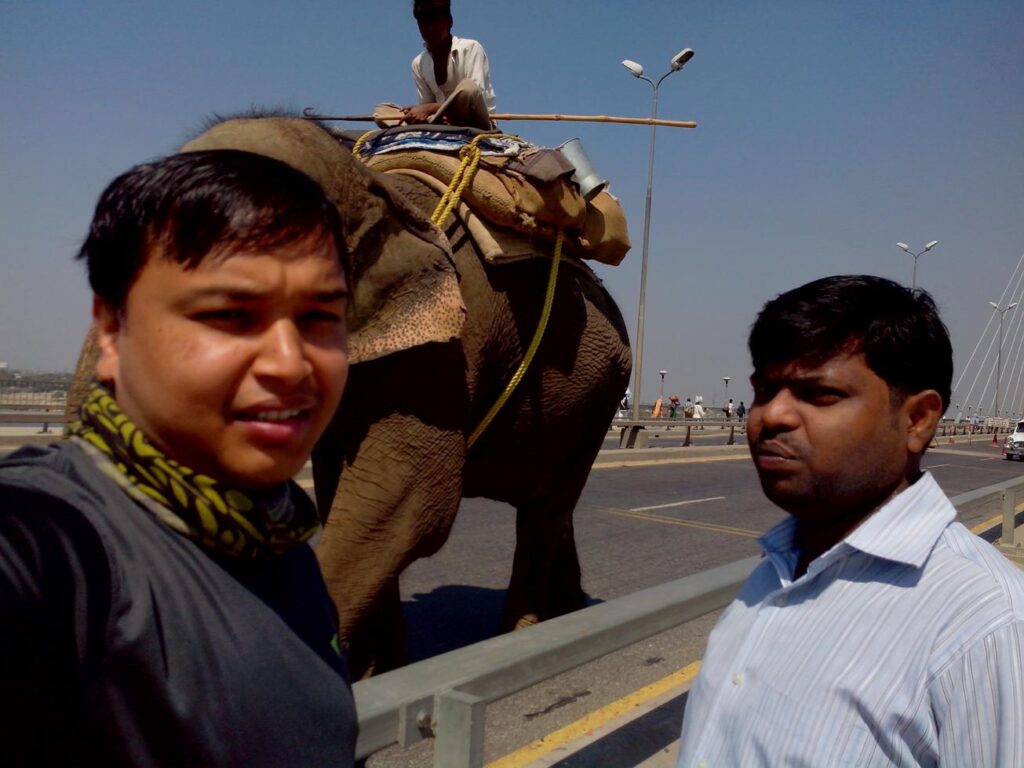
(903, 530)
(455, 42)
(906, 527)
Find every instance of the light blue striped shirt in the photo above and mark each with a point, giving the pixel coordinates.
(902, 645)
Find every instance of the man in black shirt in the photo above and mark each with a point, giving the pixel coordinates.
(160, 603)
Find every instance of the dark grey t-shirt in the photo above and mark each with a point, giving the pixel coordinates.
(124, 643)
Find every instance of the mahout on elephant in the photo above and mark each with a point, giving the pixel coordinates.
(436, 334)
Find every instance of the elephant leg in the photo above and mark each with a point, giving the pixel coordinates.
(394, 504)
(395, 451)
(546, 579)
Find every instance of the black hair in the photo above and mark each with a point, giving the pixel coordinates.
(431, 7)
(898, 330)
(197, 203)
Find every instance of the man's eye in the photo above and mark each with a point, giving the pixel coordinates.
(823, 396)
(323, 316)
(234, 318)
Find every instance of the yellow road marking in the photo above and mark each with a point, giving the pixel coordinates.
(619, 463)
(993, 521)
(595, 719)
(676, 504)
(685, 523)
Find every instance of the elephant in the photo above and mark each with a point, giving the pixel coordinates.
(435, 335)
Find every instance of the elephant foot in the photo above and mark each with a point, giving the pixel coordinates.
(377, 644)
(526, 621)
(370, 654)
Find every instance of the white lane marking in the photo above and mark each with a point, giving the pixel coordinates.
(936, 466)
(676, 504)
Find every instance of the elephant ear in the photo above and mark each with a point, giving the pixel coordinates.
(405, 289)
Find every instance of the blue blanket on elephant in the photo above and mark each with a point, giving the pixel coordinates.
(440, 140)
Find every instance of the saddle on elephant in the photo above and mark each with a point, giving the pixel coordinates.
(518, 192)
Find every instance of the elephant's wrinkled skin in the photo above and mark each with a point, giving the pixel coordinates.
(393, 465)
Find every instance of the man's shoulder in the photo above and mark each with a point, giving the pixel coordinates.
(983, 572)
(465, 43)
(57, 490)
(32, 468)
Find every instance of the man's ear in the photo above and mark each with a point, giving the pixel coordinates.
(107, 321)
(922, 411)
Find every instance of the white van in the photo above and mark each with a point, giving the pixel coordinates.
(1014, 445)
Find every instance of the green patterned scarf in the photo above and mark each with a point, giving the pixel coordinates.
(223, 519)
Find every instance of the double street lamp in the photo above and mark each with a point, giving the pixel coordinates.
(675, 64)
(905, 247)
(999, 351)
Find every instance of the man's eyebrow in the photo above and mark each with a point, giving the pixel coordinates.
(798, 375)
(237, 293)
(327, 297)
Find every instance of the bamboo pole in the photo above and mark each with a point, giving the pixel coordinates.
(309, 114)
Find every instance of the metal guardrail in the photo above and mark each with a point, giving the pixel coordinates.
(46, 418)
(445, 696)
(633, 433)
(33, 390)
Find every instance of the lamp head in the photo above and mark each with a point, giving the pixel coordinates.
(994, 306)
(663, 372)
(904, 246)
(1011, 306)
(635, 69)
(679, 60)
(931, 245)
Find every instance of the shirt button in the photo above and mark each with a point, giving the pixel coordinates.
(737, 679)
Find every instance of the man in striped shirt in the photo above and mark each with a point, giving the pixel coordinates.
(877, 630)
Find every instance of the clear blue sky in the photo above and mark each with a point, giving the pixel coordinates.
(828, 131)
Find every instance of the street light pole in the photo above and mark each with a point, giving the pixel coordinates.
(675, 64)
(662, 384)
(999, 351)
(905, 247)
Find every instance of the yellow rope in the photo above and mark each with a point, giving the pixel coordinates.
(469, 161)
(542, 324)
(462, 178)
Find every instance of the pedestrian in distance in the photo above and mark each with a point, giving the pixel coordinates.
(877, 630)
(160, 603)
(741, 411)
(698, 410)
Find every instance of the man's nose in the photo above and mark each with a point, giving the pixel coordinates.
(776, 413)
(283, 354)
